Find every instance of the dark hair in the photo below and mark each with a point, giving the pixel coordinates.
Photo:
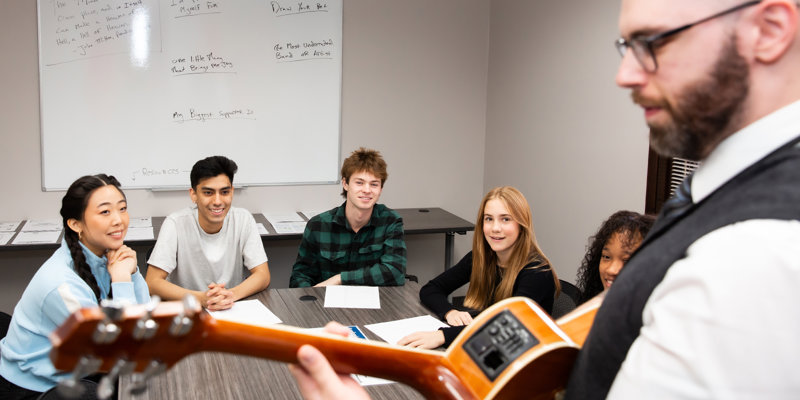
(633, 227)
(73, 205)
(364, 160)
(210, 167)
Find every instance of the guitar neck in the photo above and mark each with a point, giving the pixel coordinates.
(577, 323)
(512, 349)
(426, 371)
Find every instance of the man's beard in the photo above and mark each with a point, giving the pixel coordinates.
(706, 112)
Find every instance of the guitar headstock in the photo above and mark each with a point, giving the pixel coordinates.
(144, 339)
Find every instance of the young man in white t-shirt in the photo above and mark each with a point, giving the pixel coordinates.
(206, 249)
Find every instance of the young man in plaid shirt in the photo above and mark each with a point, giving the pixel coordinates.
(358, 243)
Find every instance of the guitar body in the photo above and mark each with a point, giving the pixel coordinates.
(512, 350)
(538, 372)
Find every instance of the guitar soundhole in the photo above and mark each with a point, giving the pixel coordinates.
(498, 343)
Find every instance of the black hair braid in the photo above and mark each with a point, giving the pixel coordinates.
(79, 260)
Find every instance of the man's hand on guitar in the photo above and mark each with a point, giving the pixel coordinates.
(423, 340)
(315, 377)
(458, 318)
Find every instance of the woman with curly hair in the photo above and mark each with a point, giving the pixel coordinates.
(609, 249)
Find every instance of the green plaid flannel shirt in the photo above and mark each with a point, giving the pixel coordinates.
(375, 256)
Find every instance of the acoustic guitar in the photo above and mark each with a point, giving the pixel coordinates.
(512, 350)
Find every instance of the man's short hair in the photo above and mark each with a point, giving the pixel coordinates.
(210, 167)
(364, 160)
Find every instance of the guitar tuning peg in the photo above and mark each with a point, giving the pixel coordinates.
(182, 323)
(139, 381)
(190, 305)
(107, 331)
(105, 389)
(154, 301)
(113, 309)
(70, 387)
(146, 327)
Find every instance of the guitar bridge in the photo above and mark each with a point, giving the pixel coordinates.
(494, 346)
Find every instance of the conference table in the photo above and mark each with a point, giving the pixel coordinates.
(215, 376)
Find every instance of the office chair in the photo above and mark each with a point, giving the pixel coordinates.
(89, 392)
(567, 300)
(5, 321)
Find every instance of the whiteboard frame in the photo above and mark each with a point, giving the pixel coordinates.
(173, 187)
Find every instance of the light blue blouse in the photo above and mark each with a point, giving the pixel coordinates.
(55, 291)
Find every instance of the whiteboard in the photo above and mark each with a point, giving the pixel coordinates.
(142, 89)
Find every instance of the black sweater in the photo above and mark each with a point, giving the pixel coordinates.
(534, 282)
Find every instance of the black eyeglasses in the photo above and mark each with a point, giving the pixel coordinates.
(643, 47)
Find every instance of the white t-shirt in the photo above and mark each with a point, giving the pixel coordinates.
(194, 258)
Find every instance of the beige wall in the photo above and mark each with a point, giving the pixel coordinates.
(459, 95)
(413, 93)
(557, 128)
(414, 87)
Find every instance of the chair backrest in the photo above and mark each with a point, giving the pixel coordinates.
(567, 300)
(5, 321)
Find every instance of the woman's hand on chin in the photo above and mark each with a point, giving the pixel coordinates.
(121, 263)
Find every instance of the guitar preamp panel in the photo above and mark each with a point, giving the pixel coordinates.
(498, 343)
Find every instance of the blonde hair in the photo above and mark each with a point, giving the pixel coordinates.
(483, 280)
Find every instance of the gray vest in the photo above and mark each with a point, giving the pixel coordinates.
(768, 189)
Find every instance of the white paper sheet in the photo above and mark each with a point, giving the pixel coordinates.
(140, 233)
(312, 213)
(287, 217)
(363, 380)
(5, 237)
(289, 227)
(250, 312)
(340, 296)
(393, 331)
(42, 225)
(140, 222)
(10, 226)
(262, 230)
(37, 237)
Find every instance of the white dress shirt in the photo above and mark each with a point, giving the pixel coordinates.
(724, 323)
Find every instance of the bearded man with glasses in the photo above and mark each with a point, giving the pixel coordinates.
(706, 307)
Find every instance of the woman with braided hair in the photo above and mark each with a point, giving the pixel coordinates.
(92, 264)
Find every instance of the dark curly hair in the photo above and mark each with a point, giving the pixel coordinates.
(633, 227)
